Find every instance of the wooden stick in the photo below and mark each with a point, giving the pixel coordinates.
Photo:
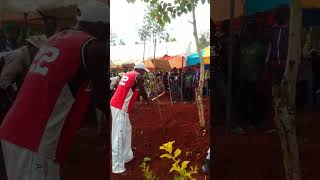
(158, 96)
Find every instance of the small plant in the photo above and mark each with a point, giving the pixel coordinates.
(146, 171)
(181, 169)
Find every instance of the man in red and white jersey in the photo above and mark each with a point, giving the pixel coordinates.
(66, 72)
(128, 90)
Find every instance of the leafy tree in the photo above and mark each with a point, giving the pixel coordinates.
(162, 12)
(204, 40)
(121, 42)
(170, 39)
(113, 39)
(151, 30)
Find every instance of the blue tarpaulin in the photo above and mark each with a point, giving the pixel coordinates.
(255, 6)
(194, 59)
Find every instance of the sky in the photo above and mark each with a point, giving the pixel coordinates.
(127, 18)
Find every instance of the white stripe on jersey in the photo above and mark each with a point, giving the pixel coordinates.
(127, 100)
(49, 142)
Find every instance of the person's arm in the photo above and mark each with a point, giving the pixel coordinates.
(140, 84)
(95, 63)
(12, 69)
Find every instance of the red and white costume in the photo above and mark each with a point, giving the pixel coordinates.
(45, 116)
(121, 104)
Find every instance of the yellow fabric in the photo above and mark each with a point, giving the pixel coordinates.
(206, 55)
(206, 60)
(310, 3)
(206, 52)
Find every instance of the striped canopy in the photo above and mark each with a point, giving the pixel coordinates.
(194, 59)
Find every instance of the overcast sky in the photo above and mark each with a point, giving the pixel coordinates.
(127, 18)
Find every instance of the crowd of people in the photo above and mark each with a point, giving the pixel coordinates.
(260, 52)
(180, 84)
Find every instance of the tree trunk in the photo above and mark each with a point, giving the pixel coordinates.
(284, 98)
(154, 52)
(199, 90)
(144, 49)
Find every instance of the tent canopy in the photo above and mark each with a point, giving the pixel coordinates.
(195, 59)
(221, 8)
(123, 54)
(174, 61)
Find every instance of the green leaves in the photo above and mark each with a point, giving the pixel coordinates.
(189, 7)
(147, 172)
(162, 12)
(153, 2)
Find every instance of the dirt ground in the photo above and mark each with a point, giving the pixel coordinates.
(258, 155)
(180, 124)
(87, 159)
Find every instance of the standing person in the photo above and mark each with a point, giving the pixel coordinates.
(174, 84)
(221, 74)
(253, 53)
(166, 81)
(114, 82)
(129, 88)
(17, 62)
(159, 80)
(188, 80)
(278, 49)
(13, 32)
(3, 43)
(35, 149)
(16, 65)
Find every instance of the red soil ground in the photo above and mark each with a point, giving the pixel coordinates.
(180, 123)
(87, 159)
(258, 156)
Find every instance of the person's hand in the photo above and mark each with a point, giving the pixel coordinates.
(149, 101)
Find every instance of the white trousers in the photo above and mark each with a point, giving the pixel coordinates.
(23, 164)
(208, 156)
(120, 140)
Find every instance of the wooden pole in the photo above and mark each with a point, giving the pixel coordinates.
(230, 57)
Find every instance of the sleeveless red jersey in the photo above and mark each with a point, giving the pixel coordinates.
(125, 97)
(45, 115)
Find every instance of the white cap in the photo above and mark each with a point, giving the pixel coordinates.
(37, 41)
(140, 65)
(93, 11)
